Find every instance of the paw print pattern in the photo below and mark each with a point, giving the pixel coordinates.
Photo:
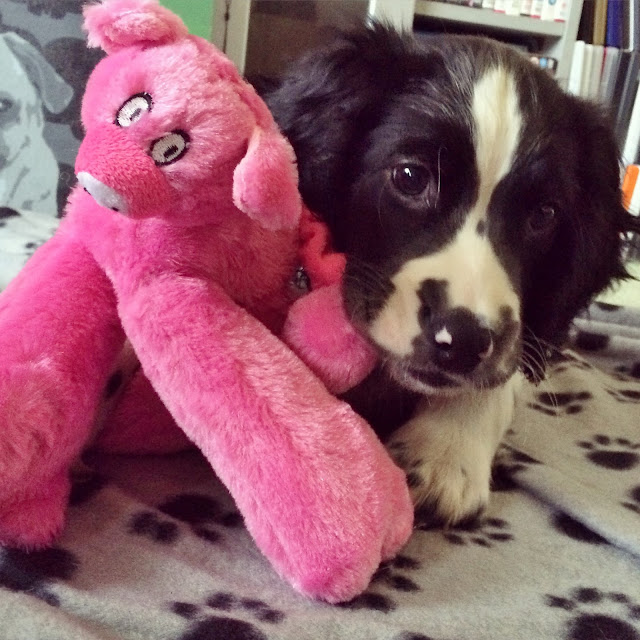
(482, 533)
(590, 341)
(33, 572)
(390, 575)
(560, 404)
(200, 511)
(147, 524)
(509, 462)
(575, 530)
(619, 454)
(597, 615)
(627, 373)
(559, 361)
(631, 396)
(633, 503)
(205, 625)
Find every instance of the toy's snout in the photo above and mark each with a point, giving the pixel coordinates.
(120, 175)
(104, 195)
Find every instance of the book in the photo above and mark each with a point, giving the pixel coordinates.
(525, 7)
(596, 72)
(629, 184)
(488, 4)
(548, 10)
(512, 7)
(585, 80)
(562, 10)
(536, 8)
(613, 33)
(577, 62)
(625, 91)
(631, 24)
(587, 18)
(631, 146)
(499, 5)
(609, 73)
(600, 22)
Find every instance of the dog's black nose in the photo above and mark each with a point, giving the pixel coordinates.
(459, 340)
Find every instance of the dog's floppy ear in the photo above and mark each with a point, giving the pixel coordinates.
(265, 182)
(587, 253)
(54, 92)
(328, 100)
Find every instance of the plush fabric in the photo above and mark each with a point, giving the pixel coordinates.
(155, 548)
(182, 237)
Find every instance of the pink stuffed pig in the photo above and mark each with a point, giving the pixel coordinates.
(182, 238)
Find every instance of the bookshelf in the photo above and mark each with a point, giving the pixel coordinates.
(556, 39)
(231, 28)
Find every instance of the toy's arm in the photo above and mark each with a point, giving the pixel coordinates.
(316, 487)
(59, 335)
(318, 330)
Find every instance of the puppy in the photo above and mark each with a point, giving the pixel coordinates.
(28, 168)
(479, 208)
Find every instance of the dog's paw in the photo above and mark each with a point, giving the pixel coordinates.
(446, 490)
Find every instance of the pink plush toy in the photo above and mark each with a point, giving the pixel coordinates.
(184, 240)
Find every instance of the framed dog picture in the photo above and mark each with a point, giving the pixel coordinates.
(45, 63)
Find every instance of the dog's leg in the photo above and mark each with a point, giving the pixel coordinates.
(447, 449)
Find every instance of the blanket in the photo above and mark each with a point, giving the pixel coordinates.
(154, 548)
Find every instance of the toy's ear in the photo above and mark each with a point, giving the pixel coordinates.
(116, 24)
(265, 182)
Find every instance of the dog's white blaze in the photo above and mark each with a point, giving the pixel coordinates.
(476, 278)
(480, 284)
(497, 124)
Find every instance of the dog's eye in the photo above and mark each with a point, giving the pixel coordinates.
(410, 179)
(542, 219)
(5, 105)
(133, 109)
(169, 148)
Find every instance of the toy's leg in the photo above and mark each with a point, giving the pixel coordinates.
(140, 423)
(317, 490)
(59, 335)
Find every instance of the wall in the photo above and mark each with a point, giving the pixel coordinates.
(197, 14)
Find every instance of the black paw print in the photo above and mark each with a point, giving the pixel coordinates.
(206, 625)
(147, 523)
(200, 511)
(509, 462)
(589, 341)
(627, 372)
(389, 575)
(634, 503)
(483, 533)
(631, 396)
(560, 404)
(612, 453)
(598, 616)
(559, 361)
(575, 530)
(33, 572)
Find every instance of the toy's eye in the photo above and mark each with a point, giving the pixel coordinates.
(170, 148)
(133, 109)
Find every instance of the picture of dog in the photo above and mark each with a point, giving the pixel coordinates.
(28, 168)
(479, 208)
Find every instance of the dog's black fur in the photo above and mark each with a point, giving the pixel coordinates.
(383, 132)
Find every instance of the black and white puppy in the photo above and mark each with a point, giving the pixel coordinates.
(479, 208)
